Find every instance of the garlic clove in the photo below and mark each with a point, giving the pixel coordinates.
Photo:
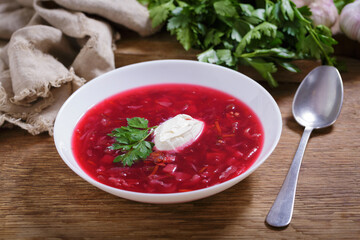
(350, 20)
(324, 12)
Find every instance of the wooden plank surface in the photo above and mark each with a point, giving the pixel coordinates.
(41, 198)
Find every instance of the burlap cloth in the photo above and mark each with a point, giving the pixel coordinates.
(48, 49)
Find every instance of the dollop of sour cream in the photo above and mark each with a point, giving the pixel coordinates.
(177, 133)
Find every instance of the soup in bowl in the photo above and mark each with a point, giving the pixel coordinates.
(167, 131)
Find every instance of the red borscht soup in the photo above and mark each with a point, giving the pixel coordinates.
(230, 142)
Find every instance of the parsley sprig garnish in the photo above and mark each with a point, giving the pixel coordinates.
(263, 34)
(131, 140)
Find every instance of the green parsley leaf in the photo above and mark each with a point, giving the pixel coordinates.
(287, 9)
(179, 21)
(263, 29)
(225, 8)
(288, 66)
(213, 37)
(235, 35)
(246, 9)
(137, 122)
(118, 158)
(131, 140)
(226, 57)
(143, 149)
(160, 13)
(208, 56)
(305, 11)
(129, 158)
(184, 35)
(259, 13)
(137, 135)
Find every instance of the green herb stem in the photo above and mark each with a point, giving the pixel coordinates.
(316, 39)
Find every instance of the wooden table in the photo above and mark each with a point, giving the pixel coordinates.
(42, 198)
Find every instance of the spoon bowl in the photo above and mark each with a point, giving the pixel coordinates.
(318, 100)
(317, 104)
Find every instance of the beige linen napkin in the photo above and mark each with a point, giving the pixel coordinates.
(54, 47)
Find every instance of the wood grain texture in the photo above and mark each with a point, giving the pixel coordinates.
(41, 198)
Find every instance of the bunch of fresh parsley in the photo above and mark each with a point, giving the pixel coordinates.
(131, 140)
(262, 34)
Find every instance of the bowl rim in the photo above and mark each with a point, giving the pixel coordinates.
(227, 184)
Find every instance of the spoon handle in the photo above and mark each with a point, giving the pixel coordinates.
(281, 212)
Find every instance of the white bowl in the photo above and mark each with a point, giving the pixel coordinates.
(168, 71)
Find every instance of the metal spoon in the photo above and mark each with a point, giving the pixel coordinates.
(316, 104)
